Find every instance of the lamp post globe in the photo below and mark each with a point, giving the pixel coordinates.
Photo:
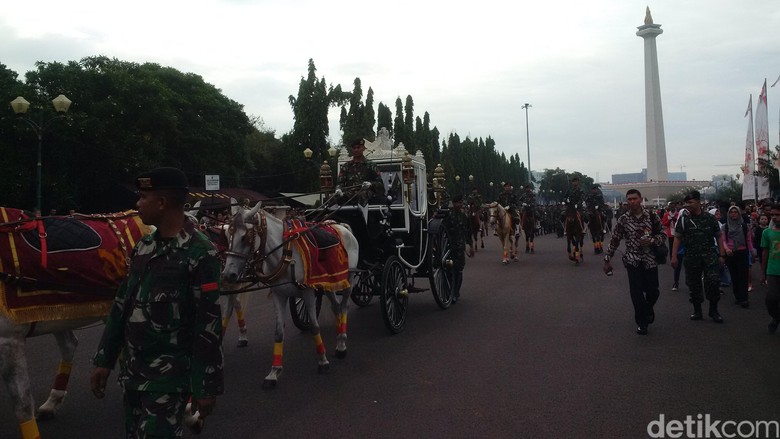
(20, 106)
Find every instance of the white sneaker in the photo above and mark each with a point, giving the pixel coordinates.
(674, 287)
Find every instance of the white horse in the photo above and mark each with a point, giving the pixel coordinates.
(231, 300)
(13, 367)
(13, 360)
(257, 244)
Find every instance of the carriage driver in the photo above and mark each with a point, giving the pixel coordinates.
(574, 199)
(165, 326)
(355, 173)
(509, 201)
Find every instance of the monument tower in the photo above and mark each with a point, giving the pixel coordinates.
(654, 119)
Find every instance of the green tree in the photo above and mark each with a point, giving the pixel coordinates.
(385, 119)
(401, 136)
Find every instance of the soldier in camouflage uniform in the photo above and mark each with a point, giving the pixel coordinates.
(574, 199)
(510, 202)
(354, 173)
(528, 198)
(165, 326)
(457, 224)
(700, 233)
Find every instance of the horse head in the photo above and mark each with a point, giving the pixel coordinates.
(242, 243)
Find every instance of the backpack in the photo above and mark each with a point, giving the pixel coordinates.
(744, 230)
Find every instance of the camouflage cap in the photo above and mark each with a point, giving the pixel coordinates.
(162, 178)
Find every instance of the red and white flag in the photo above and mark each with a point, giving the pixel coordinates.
(762, 142)
(749, 182)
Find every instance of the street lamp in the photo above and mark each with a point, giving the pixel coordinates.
(20, 107)
(527, 139)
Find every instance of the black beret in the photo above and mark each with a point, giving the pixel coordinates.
(358, 141)
(457, 198)
(596, 186)
(161, 178)
(575, 178)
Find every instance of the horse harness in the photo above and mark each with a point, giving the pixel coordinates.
(255, 260)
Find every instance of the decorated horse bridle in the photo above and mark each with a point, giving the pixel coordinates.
(255, 259)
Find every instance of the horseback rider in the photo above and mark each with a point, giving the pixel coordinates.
(595, 201)
(510, 202)
(528, 198)
(474, 200)
(574, 199)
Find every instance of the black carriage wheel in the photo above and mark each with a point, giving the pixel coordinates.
(363, 290)
(440, 276)
(395, 297)
(299, 313)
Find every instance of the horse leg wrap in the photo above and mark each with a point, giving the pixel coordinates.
(63, 375)
(29, 429)
(342, 324)
(278, 349)
(319, 345)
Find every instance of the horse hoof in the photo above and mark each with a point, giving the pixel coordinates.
(483, 245)
(322, 369)
(242, 343)
(341, 354)
(269, 384)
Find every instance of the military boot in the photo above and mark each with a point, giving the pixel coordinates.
(716, 317)
(696, 312)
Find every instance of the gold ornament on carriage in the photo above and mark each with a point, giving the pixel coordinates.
(326, 177)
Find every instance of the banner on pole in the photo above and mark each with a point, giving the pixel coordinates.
(748, 181)
(762, 142)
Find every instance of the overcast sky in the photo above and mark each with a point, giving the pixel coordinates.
(471, 65)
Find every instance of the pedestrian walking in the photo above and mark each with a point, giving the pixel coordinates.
(700, 232)
(737, 248)
(640, 229)
(770, 267)
(165, 325)
(457, 224)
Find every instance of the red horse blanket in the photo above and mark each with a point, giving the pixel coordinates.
(325, 267)
(57, 268)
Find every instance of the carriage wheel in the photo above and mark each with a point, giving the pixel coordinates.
(395, 296)
(299, 313)
(363, 290)
(441, 268)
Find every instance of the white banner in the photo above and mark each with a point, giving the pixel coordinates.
(762, 141)
(749, 182)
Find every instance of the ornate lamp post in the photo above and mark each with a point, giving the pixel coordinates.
(20, 107)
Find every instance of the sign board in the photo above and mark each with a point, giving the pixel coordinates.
(212, 182)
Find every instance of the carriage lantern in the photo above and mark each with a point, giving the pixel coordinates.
(438, 178)
(326, 177)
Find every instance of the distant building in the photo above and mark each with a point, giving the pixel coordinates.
(641, 177)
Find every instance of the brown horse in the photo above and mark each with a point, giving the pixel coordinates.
(528, 224)
(475, 225)
(505, 229)
(596, 228)
(574, 235)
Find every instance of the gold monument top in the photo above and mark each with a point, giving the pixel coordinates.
(648, 17)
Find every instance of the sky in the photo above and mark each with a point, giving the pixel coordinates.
(470, 65)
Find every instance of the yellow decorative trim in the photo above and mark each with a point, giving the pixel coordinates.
(29, 429)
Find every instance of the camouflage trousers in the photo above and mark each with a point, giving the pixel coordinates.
(154, 414)
(702, 278)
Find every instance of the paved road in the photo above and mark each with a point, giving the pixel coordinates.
(538, 349)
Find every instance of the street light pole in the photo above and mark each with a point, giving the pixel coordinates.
(527, 139)
(20, 107)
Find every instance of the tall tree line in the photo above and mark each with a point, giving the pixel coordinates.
(128, 117)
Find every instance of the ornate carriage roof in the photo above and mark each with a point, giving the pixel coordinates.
(382, 150)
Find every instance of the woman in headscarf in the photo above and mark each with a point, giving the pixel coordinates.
(737, 242)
